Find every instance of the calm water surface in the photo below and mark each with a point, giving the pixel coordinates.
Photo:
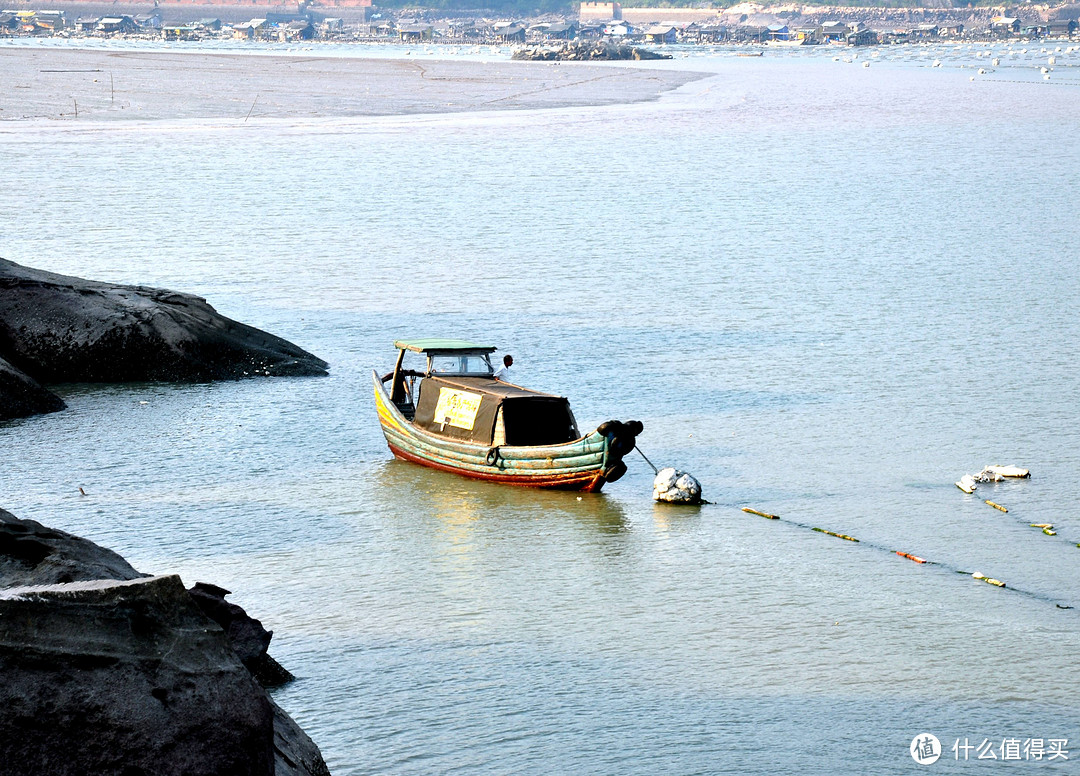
(827, 290)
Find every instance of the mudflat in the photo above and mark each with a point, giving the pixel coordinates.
(75, 84)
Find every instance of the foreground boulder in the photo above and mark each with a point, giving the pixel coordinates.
(57, 328)
(110, 672)
(22, 396)
(112, 677)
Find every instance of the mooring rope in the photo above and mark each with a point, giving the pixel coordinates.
(655, 470)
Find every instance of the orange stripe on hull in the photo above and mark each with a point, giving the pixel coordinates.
(587, 482)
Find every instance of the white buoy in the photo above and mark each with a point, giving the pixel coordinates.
(676, 487)
(967, 484)
(1008, 471)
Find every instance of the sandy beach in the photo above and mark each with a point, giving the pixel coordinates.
(56, 84)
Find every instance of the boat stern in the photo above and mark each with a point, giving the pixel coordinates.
(619, 440)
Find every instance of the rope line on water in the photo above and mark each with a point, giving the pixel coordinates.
(915, 558)
(1047, 528)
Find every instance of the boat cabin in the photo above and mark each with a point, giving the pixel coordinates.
(455, 395)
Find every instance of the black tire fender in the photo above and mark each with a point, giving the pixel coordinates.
(615, 472)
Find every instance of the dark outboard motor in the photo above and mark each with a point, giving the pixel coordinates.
(621, 439)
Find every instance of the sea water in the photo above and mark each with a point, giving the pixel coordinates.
(828, 291)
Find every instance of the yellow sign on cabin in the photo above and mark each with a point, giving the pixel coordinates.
(457, 408)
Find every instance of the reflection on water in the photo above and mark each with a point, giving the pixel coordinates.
(459, 502)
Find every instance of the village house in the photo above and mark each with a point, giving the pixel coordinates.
(39, 22)
(251, 30)
(1004, 26)
(661, 33)
(463, 29)
(111, 25)
(861, 35)
(509, 32)
(560, 31)
(332, 26)
(753, 32)
(713, 33)
(51, 21)
(618, 29)
(833, 32)
(1061, 28)
(148, 21)
(779, 32)
(688, 32)
(414, 32)
(300, 29)
(179, 32)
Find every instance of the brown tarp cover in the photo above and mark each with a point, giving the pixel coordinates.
(492, 392)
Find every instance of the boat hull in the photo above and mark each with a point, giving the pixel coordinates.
(579, 465)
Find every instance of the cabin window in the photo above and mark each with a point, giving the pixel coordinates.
(538, 421)
(461, 365)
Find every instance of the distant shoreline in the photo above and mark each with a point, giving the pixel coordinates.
(68, 85)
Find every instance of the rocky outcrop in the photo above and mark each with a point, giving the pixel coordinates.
(595, 51)
(294, 752)
(22, 396)
(248, 637)
(32, 554)
(57, 328)
(125, 678)
(110, 672)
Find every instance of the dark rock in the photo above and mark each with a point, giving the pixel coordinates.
(125, 678)
(57, 328)
(31, 554)
(104, 676)
(21, 396)
(247, 635)
(295, 754)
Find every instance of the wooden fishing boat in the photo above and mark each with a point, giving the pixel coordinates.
(452, 414)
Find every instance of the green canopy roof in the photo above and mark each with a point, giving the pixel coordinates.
(442, 345)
